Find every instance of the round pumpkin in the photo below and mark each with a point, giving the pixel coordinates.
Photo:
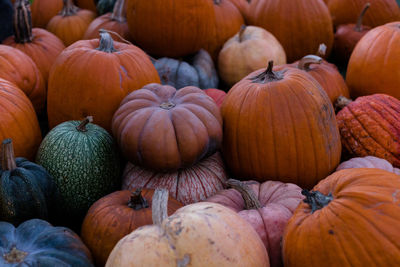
(197, 70)
(37, 243)
(350, 218)
(300, 26)
(201, 234)
(374, 65)
(84, 162)
(42, 46)
(18, 120)
(116, 215)
(87, 4)
(242, 6)
(71, 23)
(248, 51)
(267, 207)
(280, 125)
(216, 94)
(368, 162)
(164, 129)
(91, 77)
(188, 185)
(44, 10)
(370, 126)
(19, 69)
(182, 27)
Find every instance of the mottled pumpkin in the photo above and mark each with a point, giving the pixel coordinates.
(368, 162)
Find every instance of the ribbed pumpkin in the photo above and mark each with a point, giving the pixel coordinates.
(42, 46)
(201, 234)
(87, 4)
(370, 126)
(91, 77)
(19, 69)
(188, 185)
(350, 218)
(84, 162)
(44, 10)
(18, 120)
(217, 95)
(368, 162)
(300, 26)
(71, 23)
(242, 6)
(280, 125)
(38, 243)
(164, 129)
(374, 65)
(171, 28)
(6, 14)
(116, 215)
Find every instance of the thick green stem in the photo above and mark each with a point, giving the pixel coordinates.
(250, 199)
(159, 207)
(305, 62)
(137, 201)
(268, 75)
(358, 27)
(119, 11)
(7, 156)
(106, 43)
(22, 22)
(82, 126)
(316, 199)
(69, 9)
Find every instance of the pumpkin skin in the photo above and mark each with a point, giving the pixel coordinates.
(38, 243)
(188, 185)
(277, 202)
(116, 215)
(242, 6)
(61, 25)
(370, 126)
(84, 162)
(179, 127)
(216, 94)
(18, 120)
(6, 14)
(44, 10)
(310, 24)
(200, 234)
(101, 79)
(168, 36)
(87, 4)
(296, 127)
(19, 69)
(365, 232)
(368, 162)
(248, 51)
(374, 65)
(197, 70)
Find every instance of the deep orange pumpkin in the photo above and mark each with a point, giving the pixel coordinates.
(243, 6)
(44, 10)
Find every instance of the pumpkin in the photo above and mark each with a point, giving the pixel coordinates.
(113, 22)
(346, 11)
(347, 36)
(370, 126)
(182, 27)
(6, 14)
(242, 5)
(300, 26)
(18, 120)
(280, 125)
(84, 162)
(368, 162)
(91, 77)
(197, 70)
(60, 25)
(42, 46)
(374, 65)
(248, 51)
(201, 234)
(87, 4)
(216, 94)
(43, 11)
(19, 69)
(116, 215)
(188, 185)
(162, 129)
(350, 218)
(37, 243)
(105, 6)
(267, 207)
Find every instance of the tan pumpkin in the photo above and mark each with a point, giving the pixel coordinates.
(368, 162)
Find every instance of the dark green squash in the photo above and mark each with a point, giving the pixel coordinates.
(37, 243)
(26, 189)
(84, 161)
(105, 6)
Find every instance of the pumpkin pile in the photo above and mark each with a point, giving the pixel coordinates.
(199, 133)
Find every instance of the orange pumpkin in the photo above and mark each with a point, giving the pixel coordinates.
(242, 5)
(18, 121)
(86, 4)
(91, 77)
(44, 10)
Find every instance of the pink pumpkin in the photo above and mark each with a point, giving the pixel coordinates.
(368, 162)
(217, 95)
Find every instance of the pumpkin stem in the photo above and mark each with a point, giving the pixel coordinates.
(241, 32)
(341, 102)
(268, 75)
(15, 255)
(167, 105)
(321, 50)
(316, 199)
(305, 62)
(358, 27)
(7, 156)
(250, 199)
(22, 22)
(137, 201)
(119, 11)
(69, 9)
(106, 43)
(82, 126)
(159, 207)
